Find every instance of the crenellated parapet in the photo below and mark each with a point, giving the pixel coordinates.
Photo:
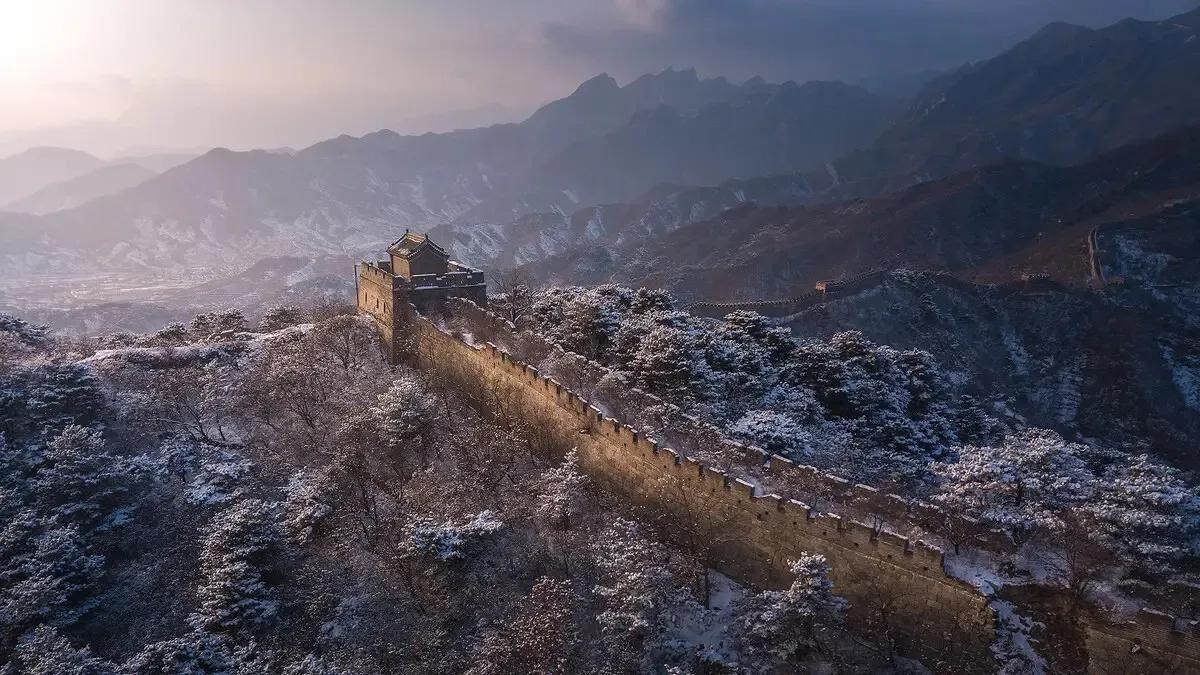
(753, 531)
(1153, 642)
(827, 491)
(837, 289)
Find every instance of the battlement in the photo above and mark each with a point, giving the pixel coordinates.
(913, 555)
(760, 531)
(450, 279)
(836, 289)
(1152, 642)
(380, 273)
(836, 493)
(753, 533)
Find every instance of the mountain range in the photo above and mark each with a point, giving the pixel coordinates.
(46, 179)
(993, 223)
(350, 195)
(611, 178)
(1066, 94)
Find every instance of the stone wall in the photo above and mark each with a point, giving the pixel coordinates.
(895, 585)
(804, 482)
(1152, 643)
(384, 300)
(828, 291)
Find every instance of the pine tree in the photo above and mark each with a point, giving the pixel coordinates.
(281, 316)
(663, 364)
(560, 494)
(240, 547)
(774, 627)
(79, 481)
(43, 651)
(1022, 485)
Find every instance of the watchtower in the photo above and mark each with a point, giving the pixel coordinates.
(418, 273)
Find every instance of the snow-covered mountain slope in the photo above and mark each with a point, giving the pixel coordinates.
(349, 196)
(30, 171)
(78, 190)
(539, 236)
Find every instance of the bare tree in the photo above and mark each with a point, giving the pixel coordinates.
(350, 341)
(514, 293)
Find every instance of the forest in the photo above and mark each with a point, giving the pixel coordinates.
(220, 497)
(224, 498)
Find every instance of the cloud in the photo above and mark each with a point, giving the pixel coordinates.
(821, 39)
(645, 14)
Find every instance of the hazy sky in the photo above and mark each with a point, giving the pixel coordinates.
(107, 74)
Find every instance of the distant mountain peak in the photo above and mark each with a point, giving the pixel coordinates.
(51, 151)
(1058, 30)
(600, 83)
(688, 73)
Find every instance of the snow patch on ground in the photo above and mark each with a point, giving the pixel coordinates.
(1185, 377)
(1016, 350)
(977, 567)
(1013, 647)
(1135, 261)
(704, 630)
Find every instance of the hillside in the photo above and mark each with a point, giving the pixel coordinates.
(1061, 97)
(993, 223)
(661, 210)
(34, 169)
(349, 195)
(1117, 369)
(77, 190)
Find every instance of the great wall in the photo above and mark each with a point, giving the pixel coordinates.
(826, 291)
(893, 583)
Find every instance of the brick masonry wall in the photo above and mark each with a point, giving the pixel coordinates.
(836, 290)
(893, 584)
(381, 299)
(1152, 643)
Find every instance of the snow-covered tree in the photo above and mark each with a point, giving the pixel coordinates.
(44, 651)
(404, 413)
(53, 396)
(308, 505)
(48, 581)
(193, 654)
(229, 320)
(79, 479)
(1145, 513)
(311, 664)
(635, 587)
(349, 340)
(541, 636)
(775, 627)
(663, 364)
(240, 546)
(775, 432)
(448, 541)
(1022, 485)
(172, 334)
(561, 492)
(281, 316)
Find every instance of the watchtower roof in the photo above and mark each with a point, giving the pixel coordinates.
(408, 246)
